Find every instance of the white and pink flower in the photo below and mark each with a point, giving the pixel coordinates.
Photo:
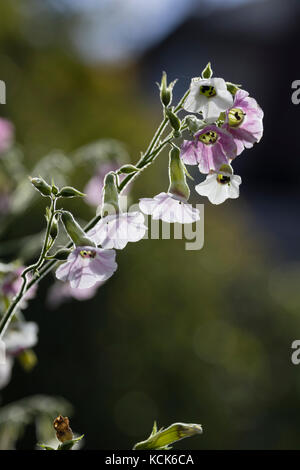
(208, 96)
(219, 186)
(116, 230)
(244, 121)
(61, 292)
(211, 148)
(86, 266)
(169, 208)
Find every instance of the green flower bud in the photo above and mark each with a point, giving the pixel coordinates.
(194, 124)
(166, 91)
(173, 119)
(41, 185)
(54, 190)
(75, 232)
(110, 201)
(232, 87)
(68, 191)
(177, 176)
(54, 228)
(127, 169)
(207, 72)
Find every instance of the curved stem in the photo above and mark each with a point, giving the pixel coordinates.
(150, 155)
(5, 320)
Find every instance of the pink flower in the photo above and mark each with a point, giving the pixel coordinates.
(211, 148)
(86, 266)
(6, 134)
(115, 231)
(61, 292)
(169, 208)
(244, 121)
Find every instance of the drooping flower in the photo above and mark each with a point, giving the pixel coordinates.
(61, 292)
(93, 189)
(116, 230)
(211, 148)
(6, 134)
(86, 266)
(209, 96)
(19, 337)
(244, 121)
(220, 185)
(169, 208)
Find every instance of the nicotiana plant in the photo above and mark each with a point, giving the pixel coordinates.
(225, 121)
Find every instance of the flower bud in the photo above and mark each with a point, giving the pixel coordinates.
(110, 200)
(41, 185)
(68, 191)
(173, 119)
(54, 228)
(166, 92)
(232, 87)
(163, 438)
(75, 232)
(61, 425)
(127, 169)
(178, 185)
(194, 124)
(207, 72)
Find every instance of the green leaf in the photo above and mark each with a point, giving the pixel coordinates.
(67, 445)
(45, 447)
(232, 87)
(163, 438)
(207, 72)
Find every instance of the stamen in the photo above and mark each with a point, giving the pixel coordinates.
(208, 91)
(236, 117)
(87, 253)
(209, 137)
(223, 179)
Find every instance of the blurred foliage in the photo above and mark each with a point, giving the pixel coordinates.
(175, 335)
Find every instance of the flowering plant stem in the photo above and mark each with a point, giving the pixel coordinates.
(40, 269)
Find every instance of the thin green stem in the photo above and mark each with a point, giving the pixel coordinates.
(5, 320)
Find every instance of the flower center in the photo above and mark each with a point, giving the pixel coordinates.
(223, 179)
(87, 253)
(208, 91)
(209, 137)
(235, 117)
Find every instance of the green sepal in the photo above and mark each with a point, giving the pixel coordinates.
(177, 177)
(41, 185)
(110, 201)
(232, 87)
(68, 191)
(75, 232)
(45, 447)
(128, 169)
(173, 119)
(207, 72)
(61, 255)
(67, 445)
